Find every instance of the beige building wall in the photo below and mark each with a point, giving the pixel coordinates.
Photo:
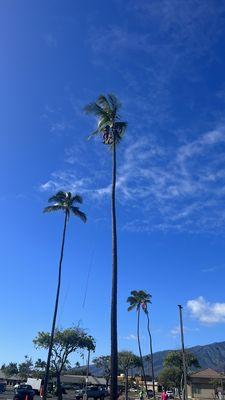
(201, 391)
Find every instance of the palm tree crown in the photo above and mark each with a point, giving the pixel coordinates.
(65, 201)
(139, 298)
(110, 127)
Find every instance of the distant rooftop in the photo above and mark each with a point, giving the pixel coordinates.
(92, 380)
(208, 373)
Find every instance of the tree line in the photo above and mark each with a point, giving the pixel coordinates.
(75, 339)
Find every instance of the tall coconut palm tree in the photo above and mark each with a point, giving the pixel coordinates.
(111, 129)
(139, 299)
(65, 202)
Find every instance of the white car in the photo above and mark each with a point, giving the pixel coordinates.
(170, 394)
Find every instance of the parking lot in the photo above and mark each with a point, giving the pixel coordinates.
(8, 395)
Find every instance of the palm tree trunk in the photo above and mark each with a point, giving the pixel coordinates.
(114, 345)
(55, 310)
(140, 352)
(151, 353)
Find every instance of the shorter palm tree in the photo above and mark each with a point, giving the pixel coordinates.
(135, 301)
(140, 299)
(65, 202)
(146, 299)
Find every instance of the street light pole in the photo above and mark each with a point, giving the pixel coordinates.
(183, 353)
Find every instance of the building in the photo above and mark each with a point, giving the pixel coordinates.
(204, 384)
(140, 382)
(10, 380)
(80, 380)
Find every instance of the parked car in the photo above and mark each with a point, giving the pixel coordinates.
(150, 394)
(22, 391)
(92, 392)
(2, 387)
(170, 394)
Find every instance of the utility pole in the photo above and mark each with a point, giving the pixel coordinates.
(183, 353)
(87, 376)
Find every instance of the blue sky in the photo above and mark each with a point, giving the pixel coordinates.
(165, 60)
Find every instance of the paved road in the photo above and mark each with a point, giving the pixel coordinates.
(8, 395)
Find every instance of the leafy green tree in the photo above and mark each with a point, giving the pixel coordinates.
(65, 202)
(126, 361)
(103, 362)
(170, 377)
(65, 342)
(25, 369)
(174, 359)
(111, 129)
(39, 369)
(172, 373)
(10, 369)
(135, 300)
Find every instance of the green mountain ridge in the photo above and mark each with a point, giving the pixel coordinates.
(209, 356)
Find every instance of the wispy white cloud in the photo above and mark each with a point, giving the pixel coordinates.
(206, 312)
(176, 330)
(177, 27)
(55, 120)
(184, 22)
(131, 336)
(213, 268)
(165, 53)
(66, 180)
(178, 188)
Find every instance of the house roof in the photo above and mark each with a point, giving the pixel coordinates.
(11, 377)
(207, 373)
(73, 379)
(93, 380)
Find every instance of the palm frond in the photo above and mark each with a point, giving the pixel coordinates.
(95, 109)
(131, 300)
(77, 199)
(78, 213)
(120, 128)
(130, 308)
(58, 197)
(103, 122)
(134, 293)
(103, 102)
(56, 207)
(114, 102)
(146, 297)
(97, 132)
